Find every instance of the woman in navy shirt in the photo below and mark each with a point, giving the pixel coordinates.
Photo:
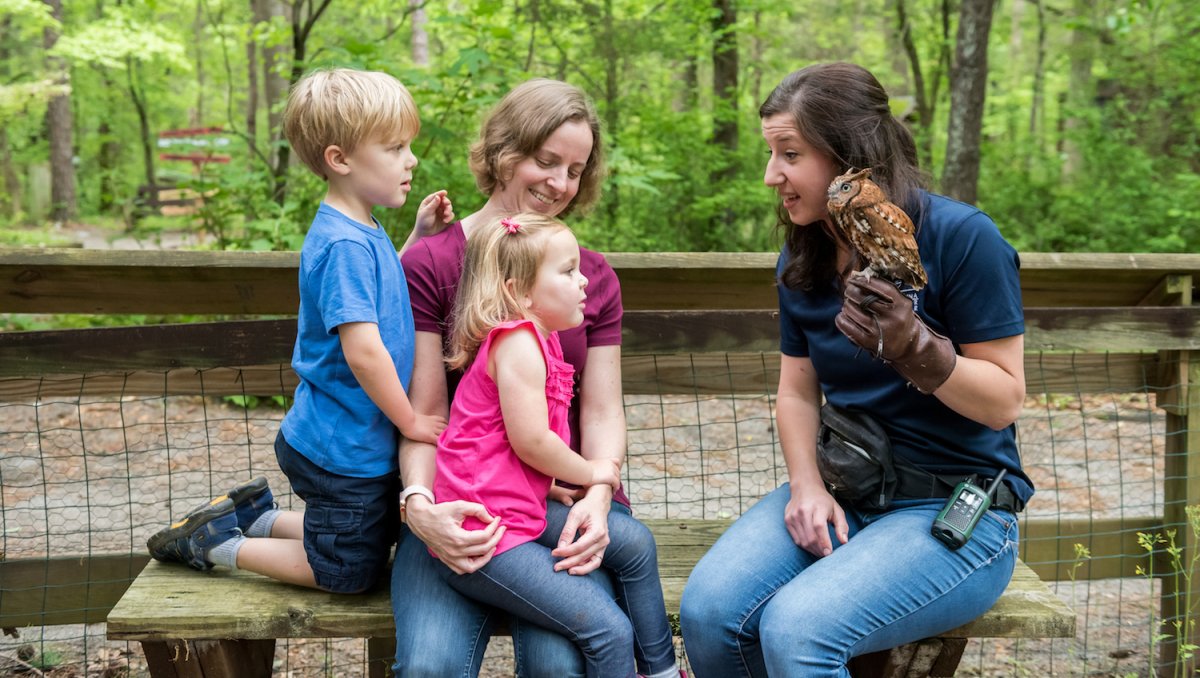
(802, 581)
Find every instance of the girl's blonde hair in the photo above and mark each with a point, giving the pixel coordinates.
(506, 249)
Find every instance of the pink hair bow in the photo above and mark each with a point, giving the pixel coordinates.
(510, 225)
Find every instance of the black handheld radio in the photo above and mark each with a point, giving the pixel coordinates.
(966, 505)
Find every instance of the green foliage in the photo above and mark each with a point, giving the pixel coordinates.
(1111, 165)
(1178, 625)
(118, 36)
(27, 17)
(250, 402)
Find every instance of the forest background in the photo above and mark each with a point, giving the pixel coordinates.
(1074, 123)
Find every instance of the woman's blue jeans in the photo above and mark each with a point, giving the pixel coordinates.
(758, 605)
(442, 633)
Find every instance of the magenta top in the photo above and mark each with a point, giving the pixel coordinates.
(476, 462)
(433, 266)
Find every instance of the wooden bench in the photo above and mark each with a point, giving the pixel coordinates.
(225, 623)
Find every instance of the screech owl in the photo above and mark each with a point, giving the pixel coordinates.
(876, 228)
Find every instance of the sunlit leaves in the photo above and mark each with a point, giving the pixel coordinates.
(120, 36)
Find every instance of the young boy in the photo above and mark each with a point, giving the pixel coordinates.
(354, 356)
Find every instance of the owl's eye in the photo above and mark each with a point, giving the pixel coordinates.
(846, 187)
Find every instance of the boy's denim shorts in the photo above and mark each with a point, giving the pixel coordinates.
(350, 524)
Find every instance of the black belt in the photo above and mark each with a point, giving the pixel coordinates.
(915, 483)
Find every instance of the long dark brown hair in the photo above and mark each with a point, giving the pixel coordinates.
(842, 111)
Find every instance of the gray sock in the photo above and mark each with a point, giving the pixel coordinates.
(261, 527)
(225, 553)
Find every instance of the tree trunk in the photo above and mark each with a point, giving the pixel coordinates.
(725, 108)
(274, 83)
(107, 159)
(926, 85)
(968, 89)
(197, 116)
(925, 104)
(12, 204)
(252, 83)
(687, 98)
(612, 109)
(1038, 107)
(138, 98)
(756, 59)
(725, 75)
(63, 204)
(420, 38)
(302, 26)
(1080, 88)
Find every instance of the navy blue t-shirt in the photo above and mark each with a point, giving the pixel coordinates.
(973, 295)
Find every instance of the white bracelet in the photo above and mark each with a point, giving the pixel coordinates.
(416, 489)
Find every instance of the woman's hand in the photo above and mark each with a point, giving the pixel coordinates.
(584, 537)
(808, 515)
(439, 526)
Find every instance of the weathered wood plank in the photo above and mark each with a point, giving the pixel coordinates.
(699, 373)
(32, 590)
(115, 281)
(261, 380)
(154, 347)
(1049, 546)
(696, 373)
(132, 281)
(170, 601)
(64, 590)
(256, 342)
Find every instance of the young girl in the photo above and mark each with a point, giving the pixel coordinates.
(508, 440)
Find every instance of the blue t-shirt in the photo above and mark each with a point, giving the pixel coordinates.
(349, 273)
(973, 295)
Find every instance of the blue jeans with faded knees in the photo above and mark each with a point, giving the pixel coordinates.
(522, 580)
(758, 605)
(441, 633)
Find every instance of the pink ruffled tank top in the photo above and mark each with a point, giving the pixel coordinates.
(475, 461)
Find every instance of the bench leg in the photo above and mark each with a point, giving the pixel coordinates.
(381, 652)
(209, 658)
(930, 657)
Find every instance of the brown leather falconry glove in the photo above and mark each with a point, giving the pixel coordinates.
(878, 318)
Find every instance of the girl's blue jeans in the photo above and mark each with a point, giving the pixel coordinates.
(759, 605)
(522, 580)
(442, 633)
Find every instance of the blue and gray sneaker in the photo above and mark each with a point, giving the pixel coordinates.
(188, 540)
(252, 499)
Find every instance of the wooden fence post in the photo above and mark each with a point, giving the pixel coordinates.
(1181, 489)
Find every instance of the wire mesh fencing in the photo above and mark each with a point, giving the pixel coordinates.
(85, 479)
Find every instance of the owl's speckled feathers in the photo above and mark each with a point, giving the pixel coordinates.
(876, 228)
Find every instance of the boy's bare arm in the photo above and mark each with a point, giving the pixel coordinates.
(373, 368)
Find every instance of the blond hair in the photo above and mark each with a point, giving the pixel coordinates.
(496, 257)
(343, 107)
(518, 126)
